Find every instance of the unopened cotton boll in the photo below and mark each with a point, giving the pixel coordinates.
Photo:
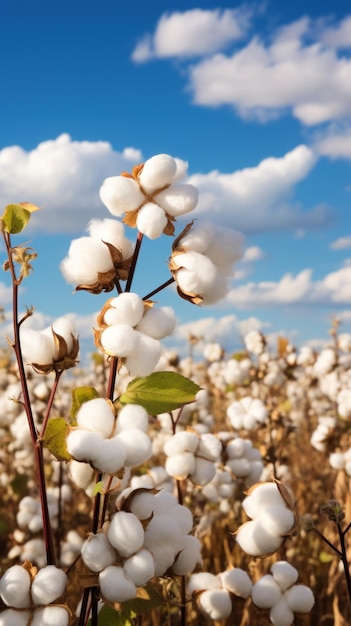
(266, 592)
(140, 567)
(137, 445)
(97, 553)
(119, 340)
(215, 603)
(120, 194)
(132, 416)
(115, 586)
(10, 617)
(281, 614)
(51, 616)
(188, 557)
(284, 574)
(151, 220)
(97, 415)
(237, 581)
(143, 360)
(15, 587)
(158, 171)
(48, 585)
(127, 308)
(125, 533)
(158, 322)
(178, 199)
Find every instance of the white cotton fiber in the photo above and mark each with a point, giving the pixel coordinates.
(203, 580)
(162, 530)
(115, 585)
(51, 616)
(180, 466)
(163, 556)
(151, 220)
(266, 592)
(119, 340)
(300, 598)
(82, 474)
(183, 441)
(178, 199)
(112, 231)
(237, 581)
(109, 455)
(140, 567)
(86, 257)
(120, 194)
(15, 618)
(158, 322)
(262, 497)
(215, 603)
(204, 471)
(97, 552)
(284, 574)
(157, 172)
(132, 416)
(81, 443)
(280, 614)
(144, 359)
(14, 587)
(209, 447)
(36, 346)
(48, 585)
(126, 533)
(277, 520)
(137, 445)
(254, 540)
(198, 238)
(97, 415)
(127, 308)
(188, 557)
(183, 517)
(226, 246)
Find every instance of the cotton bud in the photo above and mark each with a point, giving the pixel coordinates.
(236, 581)
(300, 599)
(115, 586)
(126, 533)
(266, 592)
(51, 616)
(137, 446)
(97, 553)
(48, 585)
(97, 415)
(15, 587)
(140, 567)
(10, 617)
(215, 603)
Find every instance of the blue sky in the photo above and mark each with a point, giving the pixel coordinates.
(256, 96)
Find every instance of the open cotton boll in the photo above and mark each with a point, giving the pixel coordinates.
(144, 359)
(164, 502)
(120, 194)
(162, 530)
(178, 199)
(198, 238)
(262, 497)
(142, 505)
(181, 171)
(125, 533)
(127, 308)
(203, 580)
(215, 603)
(151, 220)
(51, 616)
(196, 273)
(81, 443)
(137, 445)
(86, 258)
(277, 520)
(236, 581)
(240, 467)
(184, 518)
(115, 586)
(284, 574)
(82, 474)
(226, 246)
(158, 322)
(163, 556)
(204, 471)
(188, 557)
(255, 540)
(97, 552)
(15, 618)
(281, 614)
(111, 231)
(15, 586)
(119, 340)
(48, 585)
(109, 455)
(215, 291)
(158, 171)
(36, 346)
(97, 415)
(209, 447)
(140, 567)
(132, 416)
(300, 598)
(65, 327)
(266, 592)
(183, 441)
(180, 466)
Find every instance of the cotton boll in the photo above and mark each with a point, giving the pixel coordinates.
(263, 496)
(240, 467)
(300, 598)
(96, 415)
(137, 446)
(120, 194)
(198, 238)
(180, 466)
(204, 471)
(132, 416)
(127, 308)
(181, 171)
(337, 460)
(82, 443)
(164, 502)
(109, 455)
(86, 258)
(188, 557)
(15, 586)
(163, 556)
(266, 592)
(209, 447)
(255, 540)
(66, 329)
(97, 553)
(142, 505)
(51, 616)
(140, 567)
(277, 520)
(178, 199)
(15, 618)
(281, 614)
(162, 530)
(203, 580)
(196, 274)
(111, 231)
(184, 518)
(119, 340)
(284, 574)
(82, 474)
(158, 322)
(183, 441)
(226, 247)
(157, 172)
(115, 586)
(36, 347)
(215, 603)
(151, 220)
(236, 581)
(144, 359)
(48, 585)
(126, 533)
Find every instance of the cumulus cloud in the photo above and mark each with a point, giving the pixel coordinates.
(256, 199)
(333, 290)
(192, 33)
(341, 244)
(63, 177)
(338, 36)
(336, 144)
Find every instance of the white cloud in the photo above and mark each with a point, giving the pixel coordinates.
(253, 253)
(192, 33)
(256, 199)
(338, 36)
(341, 244)
(63, 177)
(335, 144)
(333, 290)
(5, 294)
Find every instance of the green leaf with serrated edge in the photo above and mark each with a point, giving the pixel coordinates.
(79, 396)
(15, 218)
(55, 438)
(160, 392)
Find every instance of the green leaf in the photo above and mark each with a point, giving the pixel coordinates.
(98, 488)
(55, 438)
(81, 395)
(110, 617)
(15, 218)
(160, 392)
(147, 600)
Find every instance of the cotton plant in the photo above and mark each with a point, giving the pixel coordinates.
(192, 456)
(247, 413)
(213, 593)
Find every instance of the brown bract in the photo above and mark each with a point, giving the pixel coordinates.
(65, 359)
(106, 281)
(178, 248)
